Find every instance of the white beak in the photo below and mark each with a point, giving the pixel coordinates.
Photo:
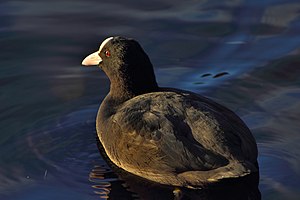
(92, 59)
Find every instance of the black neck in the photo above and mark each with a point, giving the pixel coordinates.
(126, 87)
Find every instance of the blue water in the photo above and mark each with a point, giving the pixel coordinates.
(242, 54)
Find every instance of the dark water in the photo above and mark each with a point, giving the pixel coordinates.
(243, 54)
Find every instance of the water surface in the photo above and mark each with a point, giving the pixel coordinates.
(242, 54)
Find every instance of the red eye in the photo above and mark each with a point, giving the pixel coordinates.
(107, 53)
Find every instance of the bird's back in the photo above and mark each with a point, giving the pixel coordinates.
(176, 136)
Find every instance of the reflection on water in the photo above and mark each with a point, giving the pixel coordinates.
(213, 76)
(243, 54)
(101, 185)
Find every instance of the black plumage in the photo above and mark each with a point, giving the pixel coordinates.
(166, 135)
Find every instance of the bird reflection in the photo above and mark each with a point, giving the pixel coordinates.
(100, 184)
(115, 183)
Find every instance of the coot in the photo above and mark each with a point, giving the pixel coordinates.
(166, 135)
